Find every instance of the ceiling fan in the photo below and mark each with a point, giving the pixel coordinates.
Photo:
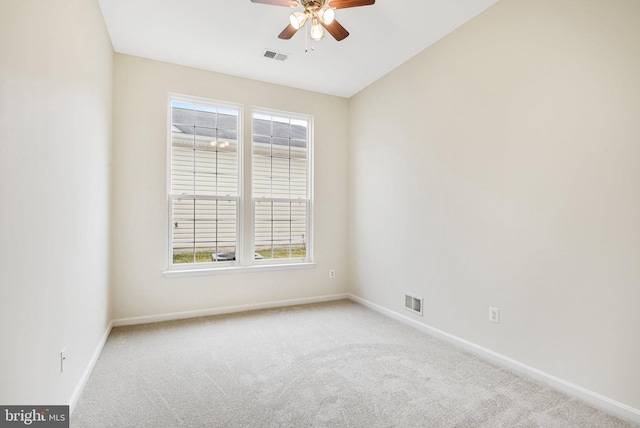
(320, 12)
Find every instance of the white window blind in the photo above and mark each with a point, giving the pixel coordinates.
(204, 195)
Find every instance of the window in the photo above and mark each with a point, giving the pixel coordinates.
(209, 196)
(281, 177)
(204, 195)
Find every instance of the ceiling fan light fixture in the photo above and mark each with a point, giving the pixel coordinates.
(298, 19)
(321, 13)
(327, 15)
(317, 32)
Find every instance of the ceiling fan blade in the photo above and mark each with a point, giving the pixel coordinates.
(287, 33)
(343, 4)
(285, 3)
(336, 30)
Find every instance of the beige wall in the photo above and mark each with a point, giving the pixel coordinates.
(139, 211)
(501, 167)
(56, 67)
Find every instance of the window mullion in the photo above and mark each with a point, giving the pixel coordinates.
(217, 225)
(194, 230)
(193, 189)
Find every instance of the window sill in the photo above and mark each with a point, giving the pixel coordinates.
(237, 269)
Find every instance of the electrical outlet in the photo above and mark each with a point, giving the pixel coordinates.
(332, 273)
(494, 315)
(63, 357)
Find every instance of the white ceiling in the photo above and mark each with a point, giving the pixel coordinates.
(230, 36)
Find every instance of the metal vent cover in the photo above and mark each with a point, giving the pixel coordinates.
(275, 55)
(413, 303)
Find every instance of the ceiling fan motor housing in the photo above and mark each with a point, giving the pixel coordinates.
(312, 5)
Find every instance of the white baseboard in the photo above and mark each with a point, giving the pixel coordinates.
(87, 371)
(226, 310)
(605, 403)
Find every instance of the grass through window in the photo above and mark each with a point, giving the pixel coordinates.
(207, 256)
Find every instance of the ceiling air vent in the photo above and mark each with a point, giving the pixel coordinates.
(275, 55)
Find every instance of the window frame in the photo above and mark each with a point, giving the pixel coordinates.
(309, 119)
(245, 201)
(171, 197)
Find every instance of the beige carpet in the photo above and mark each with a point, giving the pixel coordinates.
(327, 365)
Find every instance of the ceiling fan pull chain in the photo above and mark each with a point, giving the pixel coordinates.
(306, 43)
